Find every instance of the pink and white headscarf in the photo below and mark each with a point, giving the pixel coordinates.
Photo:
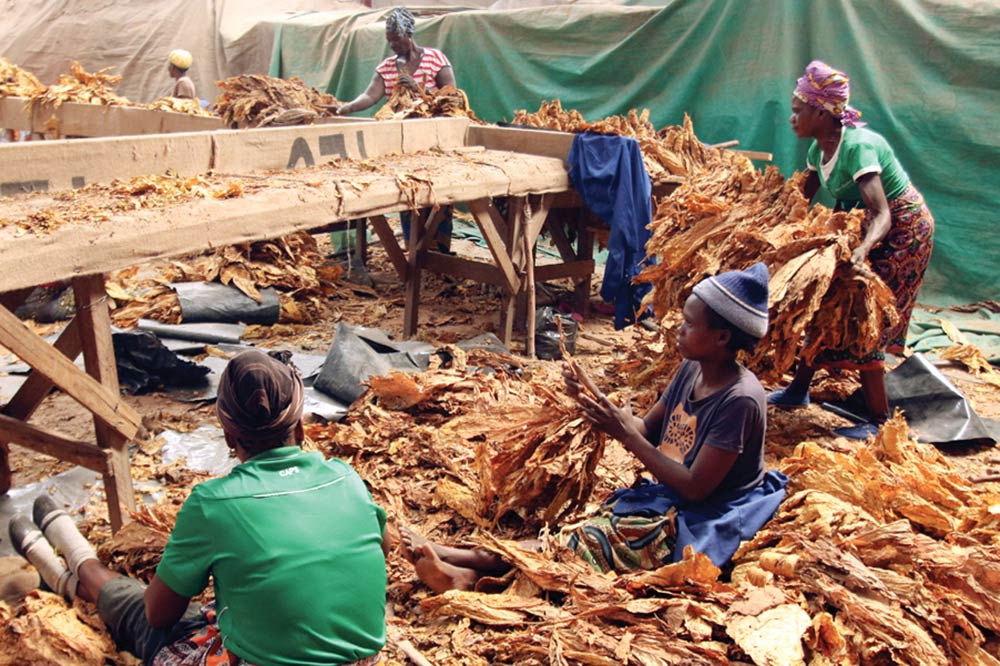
(828, 88)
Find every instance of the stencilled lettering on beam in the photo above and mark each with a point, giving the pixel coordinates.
(329, 145)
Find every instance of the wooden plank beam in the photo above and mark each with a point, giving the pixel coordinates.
(270, 211)
(549, 143)
(539, 214)
(57, 446)
(434, 219)
(105, 404)
(576, 270)
(89, 120)
(585, 251)
(414, 265)
(558, 233)
(37, 386)
(465, 269)
(529, 276)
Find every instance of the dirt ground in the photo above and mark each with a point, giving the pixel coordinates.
(452, 310)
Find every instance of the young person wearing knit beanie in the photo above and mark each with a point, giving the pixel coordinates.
(702, 443)
(293, 544)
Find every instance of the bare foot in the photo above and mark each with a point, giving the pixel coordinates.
(410, 543)
(438, 574)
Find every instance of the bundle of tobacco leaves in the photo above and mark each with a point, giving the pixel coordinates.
(83, 87)
(671, 151)
(550, 115)
(292, 264)
(890, 552)
(254, 100)
(17, 82)
(730, 219)
(43, 629)
(177, 105)
(407, 102)
(136, 548)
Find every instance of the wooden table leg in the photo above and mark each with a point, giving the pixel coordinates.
(99, 359)
(6, 476)
(584, 252)
(411, 312)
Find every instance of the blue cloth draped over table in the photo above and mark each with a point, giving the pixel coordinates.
(608, 173)
(715, 527)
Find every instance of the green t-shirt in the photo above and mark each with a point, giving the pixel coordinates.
(860, 152)
(294, 545)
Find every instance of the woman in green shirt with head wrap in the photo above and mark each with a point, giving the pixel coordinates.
(857, 166)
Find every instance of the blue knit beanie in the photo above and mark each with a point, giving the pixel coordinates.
(739, 297)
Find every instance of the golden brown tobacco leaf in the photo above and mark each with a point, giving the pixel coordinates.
(254, 100)
(17, 82)
(406, 102)
(728, 220)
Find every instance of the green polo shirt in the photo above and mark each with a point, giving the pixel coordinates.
(294, 545)
(860, 152)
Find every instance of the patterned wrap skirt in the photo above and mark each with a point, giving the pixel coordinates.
(623, 543)
(900, 259)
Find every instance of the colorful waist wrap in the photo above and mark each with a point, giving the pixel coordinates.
(649, 526)
(900, 259)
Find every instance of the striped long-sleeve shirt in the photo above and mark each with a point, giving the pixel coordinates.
(432, 62)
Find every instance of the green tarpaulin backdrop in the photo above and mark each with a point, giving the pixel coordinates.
(925, 74)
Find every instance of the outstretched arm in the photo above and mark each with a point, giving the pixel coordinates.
(367, 99)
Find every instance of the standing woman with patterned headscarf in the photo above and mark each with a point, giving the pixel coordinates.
(858, 167)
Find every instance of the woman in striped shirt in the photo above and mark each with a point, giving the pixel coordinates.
(410, 65)
(415, 67)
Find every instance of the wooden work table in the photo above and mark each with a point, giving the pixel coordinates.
(53, 233)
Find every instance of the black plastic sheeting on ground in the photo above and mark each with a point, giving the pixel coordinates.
(144, 364)
(215, 302)
(935, 410)
(207, 333)
(551, 328)
(358, 353)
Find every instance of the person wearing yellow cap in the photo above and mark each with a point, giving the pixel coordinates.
(178, 64)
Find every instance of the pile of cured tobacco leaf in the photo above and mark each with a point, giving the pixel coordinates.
(448, 102)
(18, 82)
(83, 87)
(729, 219)
(192, 107)
(254, 100)
(292, 264)
(880, 554)
(671, 151)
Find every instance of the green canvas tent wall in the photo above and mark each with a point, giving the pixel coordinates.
(925, 73)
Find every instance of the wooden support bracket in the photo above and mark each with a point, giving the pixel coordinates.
(33, 350)
(391, 245)
(484, 212)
